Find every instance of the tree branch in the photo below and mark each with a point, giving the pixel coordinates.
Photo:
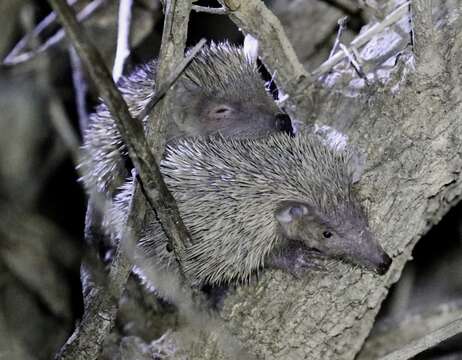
(422, 26)
(16, 56)
(429, 59)
(80, 89)
(428, 341)
(277, 53)
(406, 327)
(171, 51)
(210, 10)
(172, 77)
(131, 131)
(362, 39)
(124, 21)
(101, 302)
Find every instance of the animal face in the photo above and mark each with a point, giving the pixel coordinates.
(240, 119)
(344, 235)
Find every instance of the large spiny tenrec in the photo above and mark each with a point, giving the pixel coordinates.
(221, 92)
(250, 203)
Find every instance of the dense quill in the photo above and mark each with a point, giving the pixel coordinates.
(221, 92)
(252, 202)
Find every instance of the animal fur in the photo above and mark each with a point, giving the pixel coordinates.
(230, 193)
(220, 92)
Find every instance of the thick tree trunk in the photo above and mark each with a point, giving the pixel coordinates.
(413, 140)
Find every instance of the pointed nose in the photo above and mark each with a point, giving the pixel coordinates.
(284, 124)
(384, 265)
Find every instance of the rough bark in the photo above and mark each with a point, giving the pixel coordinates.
(395, 335)
(413, 141)
(317, 18)
(277, 53)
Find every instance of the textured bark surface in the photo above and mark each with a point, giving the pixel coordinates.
(413, 141)
(395, 335)
(313, 17)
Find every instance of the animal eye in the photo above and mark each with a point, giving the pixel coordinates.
(221, 110)
(327, 234)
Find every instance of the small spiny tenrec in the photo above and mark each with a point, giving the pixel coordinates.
(221, 92)
(253, 203)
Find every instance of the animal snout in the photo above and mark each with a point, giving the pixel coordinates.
(384, 264)
(284, 124)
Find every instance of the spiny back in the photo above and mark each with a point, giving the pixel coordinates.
(228, 191)
(218, 71)
(224, 70)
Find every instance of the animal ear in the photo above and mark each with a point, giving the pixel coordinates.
(251, 48)
(291, 212)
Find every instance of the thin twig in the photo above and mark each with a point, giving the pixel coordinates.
(277, 53)
(172, 77)
(131, 131)
(363, 39)
(354, 62)
(341, 28)
(171, 52)
(428, 341)
(124, 21)
(100, 300)
(16, 56)
(210, 10)
(80, 88)
(101, 305)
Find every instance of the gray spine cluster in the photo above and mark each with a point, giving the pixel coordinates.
(218, 71)
(225, 71)
(103, 148)
(228, 191)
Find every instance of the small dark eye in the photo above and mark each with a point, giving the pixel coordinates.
(327, 234)
(221, 110)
